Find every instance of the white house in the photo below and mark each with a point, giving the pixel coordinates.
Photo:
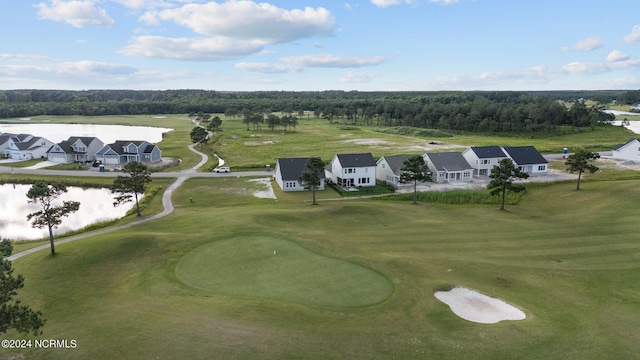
(288, 171)
(75, 149)
(448, 167)
(527, 159)
(33, 147)
(483, 158)
(388, 169)
(628, 151)
(352, 170)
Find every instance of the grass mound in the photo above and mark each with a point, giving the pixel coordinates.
(269, 267)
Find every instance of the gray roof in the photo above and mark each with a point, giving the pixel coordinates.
(292, 168)
(356, 160)
(33, 143)
(120, 144)
(396, 162)
(485, 152)
(448, 161)
(525, 155)
(85, 139)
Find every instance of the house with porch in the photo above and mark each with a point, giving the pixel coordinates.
(352, 170)
(288, 171)
(27, 147)
(75, 149)
(125, 151)
(483, 158)
(388, 169)
(448, 167)
(527, 159)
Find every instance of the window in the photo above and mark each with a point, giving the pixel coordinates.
(383, 166)
(486, 161)
(542, 167)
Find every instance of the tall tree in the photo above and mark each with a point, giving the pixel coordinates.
(310, 178)
(50, 214)
(581, 161)
(14, 315)
(415, 170)
(199, 135)
(132, 185)
(502, 177)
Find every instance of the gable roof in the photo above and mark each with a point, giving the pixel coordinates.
(525, 155)
(395, 162)
(356, 160)
(33, 143)
(120, 144)
(87, 140)
(292, 168)
(448, 161)
(485, 152)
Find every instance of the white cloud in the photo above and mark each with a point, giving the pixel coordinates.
(616, 55)
(205, 49)
(634, 36)
(77, 13)
(590, 43)
(249, 20)
(22, 57)
(94, 67)
(290, 64)
(333, 61)
(358, 77)
(266, 68)
(387, 3)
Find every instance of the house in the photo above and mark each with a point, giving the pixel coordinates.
(75, 149)
(125, 151)
(527, 159)
(288, 171)
(388, 169)
(6, 139)
(448, 167)
(483, 158)
(27, 147)
(628, 151)
(352, 170)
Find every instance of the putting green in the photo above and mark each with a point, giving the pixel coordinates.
(269, 267)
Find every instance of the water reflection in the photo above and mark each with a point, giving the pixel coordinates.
(106, 133)
(96, 205)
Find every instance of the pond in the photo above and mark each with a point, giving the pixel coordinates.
(96, 205)
(106, 133)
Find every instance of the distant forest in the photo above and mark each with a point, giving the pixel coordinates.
(526, 112)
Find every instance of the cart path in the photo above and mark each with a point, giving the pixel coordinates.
(166, 203)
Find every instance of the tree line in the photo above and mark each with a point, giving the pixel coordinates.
(452, 111)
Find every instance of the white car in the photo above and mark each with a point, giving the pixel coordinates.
(222, 169)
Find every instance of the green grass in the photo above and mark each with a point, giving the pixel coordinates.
(271, 267)
(357, 277)
(568, 258)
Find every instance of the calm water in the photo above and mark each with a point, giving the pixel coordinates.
(96, 205)
(106, 133)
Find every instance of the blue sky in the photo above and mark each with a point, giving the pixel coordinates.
(366, 45)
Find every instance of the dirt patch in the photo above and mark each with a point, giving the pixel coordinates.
(268, 192)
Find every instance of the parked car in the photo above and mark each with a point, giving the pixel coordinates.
(222, 169)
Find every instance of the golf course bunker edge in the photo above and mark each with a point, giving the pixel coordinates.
(479, 308)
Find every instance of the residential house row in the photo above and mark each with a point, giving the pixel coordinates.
(352, 171)
(78, 149)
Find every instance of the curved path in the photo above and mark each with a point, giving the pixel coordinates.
(166, 198)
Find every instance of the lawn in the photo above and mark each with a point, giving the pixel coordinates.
(350, 279)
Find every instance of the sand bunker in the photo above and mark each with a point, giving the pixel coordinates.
(473, 306)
